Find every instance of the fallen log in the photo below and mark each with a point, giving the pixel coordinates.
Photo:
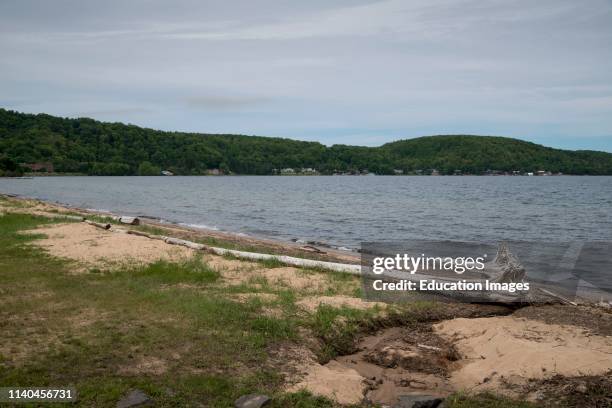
(140, 234)
(99, 225)
(185, 243)
(505, 268)
(311, 248)
(289, 260)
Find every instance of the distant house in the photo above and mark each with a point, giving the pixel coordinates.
(46, 166)
(288, 170)
(398, 171)
(213, 172)
(309, 170)
(167, 173)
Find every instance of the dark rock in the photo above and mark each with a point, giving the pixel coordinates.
(418, 401)
(134, 398)
(252, 401)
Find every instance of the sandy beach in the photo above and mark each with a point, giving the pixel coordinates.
(179, 316)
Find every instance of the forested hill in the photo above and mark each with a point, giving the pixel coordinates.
(98, 148)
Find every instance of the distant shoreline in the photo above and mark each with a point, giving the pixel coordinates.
(306, 175)
(100, 148)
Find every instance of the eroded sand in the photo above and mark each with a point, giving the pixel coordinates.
(515, 349)
(495, 353)
(333, 380)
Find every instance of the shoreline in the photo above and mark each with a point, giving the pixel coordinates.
(319, 251)
(86, 287)
(29, 174)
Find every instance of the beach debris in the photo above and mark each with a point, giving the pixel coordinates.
(144, 234)
(426, 347)
(353, 269)
(98, 224)
(418, 401)
(124, 219)
(604, 304)
(311, 248)
(511, 269)
(185, 243)
(252, 401)
(290, 260)
(134, 398)
(556, 296)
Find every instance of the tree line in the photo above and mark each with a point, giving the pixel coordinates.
(87, 146)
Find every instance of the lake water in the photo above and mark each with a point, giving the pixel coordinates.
(345, 210)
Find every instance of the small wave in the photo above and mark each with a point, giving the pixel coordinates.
(199, 226)
(99, 210)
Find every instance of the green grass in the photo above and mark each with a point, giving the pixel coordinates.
(93, 330)
(171, 329)
(485, 400)
(163, 272)
(338, 329)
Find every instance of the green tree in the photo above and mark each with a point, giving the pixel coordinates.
(147, 169)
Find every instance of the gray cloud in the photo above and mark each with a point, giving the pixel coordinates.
(346, 71)
(224, 102)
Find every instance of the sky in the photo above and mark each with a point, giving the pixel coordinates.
(357, 72)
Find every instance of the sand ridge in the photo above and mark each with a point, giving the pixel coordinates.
(511, 348)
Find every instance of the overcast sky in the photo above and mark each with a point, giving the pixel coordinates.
(353, 72)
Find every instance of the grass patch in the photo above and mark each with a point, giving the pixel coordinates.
(12, 223)
(338, 328)
(150, 229)
(485, 400)
(97, 331)
(194, 270)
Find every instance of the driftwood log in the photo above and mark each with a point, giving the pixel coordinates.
(188, 244)
(504, 269)
(288, 260)
(141, 234)
(99, 225)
